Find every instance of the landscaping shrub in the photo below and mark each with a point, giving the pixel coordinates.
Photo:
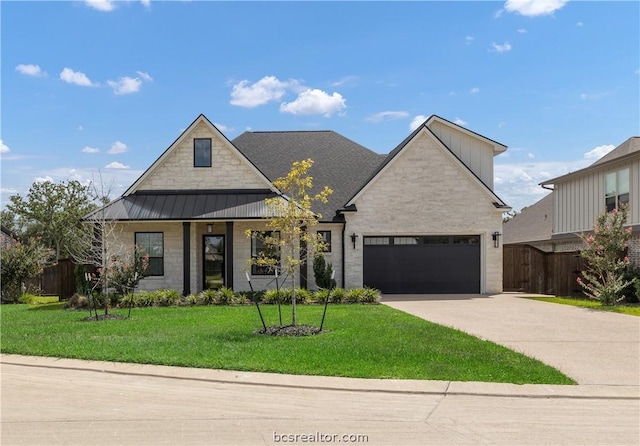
(166, 298)
(271, 296)
(353, 295)
(192, 299)
(77, 301)
(27, 299)
(207, 297)
(338, 296)
(369, 296)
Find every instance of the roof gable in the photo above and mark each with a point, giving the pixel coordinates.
(498, 148)
(174, 168)
(454, 159)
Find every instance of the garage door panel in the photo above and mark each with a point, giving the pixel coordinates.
(435, 269)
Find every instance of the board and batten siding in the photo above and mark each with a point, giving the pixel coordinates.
(474, 153)
(579, 200)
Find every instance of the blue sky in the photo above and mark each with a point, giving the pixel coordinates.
(101, 86)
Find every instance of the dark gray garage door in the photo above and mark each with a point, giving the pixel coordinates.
(427, 264)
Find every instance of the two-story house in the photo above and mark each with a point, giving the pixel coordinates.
(576, 200)
(422, 219)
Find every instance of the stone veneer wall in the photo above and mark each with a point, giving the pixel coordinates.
(228, 170)
(441, 198)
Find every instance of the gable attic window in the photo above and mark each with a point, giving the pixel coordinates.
(202, 152)
(616, 185)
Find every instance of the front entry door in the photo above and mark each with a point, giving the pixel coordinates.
(213, 262)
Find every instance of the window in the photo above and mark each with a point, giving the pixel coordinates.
(152, 243)
(261, 248)
(202, 152)
(326, 238)
(616, 189)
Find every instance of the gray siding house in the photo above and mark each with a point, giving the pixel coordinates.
(422, 219)
(552, 224)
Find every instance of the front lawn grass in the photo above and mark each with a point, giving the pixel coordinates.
(365, 341)
(630, 309)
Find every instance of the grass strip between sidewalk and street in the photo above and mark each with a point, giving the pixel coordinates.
(364, 341)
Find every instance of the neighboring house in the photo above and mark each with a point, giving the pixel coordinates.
(576, 200)
(422, 219)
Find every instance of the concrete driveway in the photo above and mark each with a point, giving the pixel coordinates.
(592, 347)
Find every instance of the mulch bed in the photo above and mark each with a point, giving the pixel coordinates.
(290, 330)
(103, 317)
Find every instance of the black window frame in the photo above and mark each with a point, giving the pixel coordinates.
(258, 236)
(197, 160)
(326, 238)
(156, 263)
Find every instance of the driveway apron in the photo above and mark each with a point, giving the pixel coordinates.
(592, 347)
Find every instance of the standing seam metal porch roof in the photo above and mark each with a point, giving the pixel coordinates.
(187, 205)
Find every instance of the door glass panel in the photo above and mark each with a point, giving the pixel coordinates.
(213, 261)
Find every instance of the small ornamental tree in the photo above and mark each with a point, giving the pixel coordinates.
(604, 278)
(288, 239)
(20, 262)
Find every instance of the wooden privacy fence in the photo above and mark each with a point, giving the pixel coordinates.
(57, 280)
(531, 270)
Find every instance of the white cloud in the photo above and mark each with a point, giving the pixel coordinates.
(125, 85)
(533, 8)
(101, 5)
(88, 149)
(501, 48)
(30, 70)
(146, 3)
(4, 148)
(129, 85)
(530, 155)
(315, 102)
(579, 24)
(117, 147)
(518, 182)
(468, 39)
(43, 179)
(417, 121)
(116, 165)
(598, 152)
(144, 76)
(222, 127)
(460, 122)
(80, 128)
(345, 81)
(522, 31)
(76, 77)
(267, 89)
(474, 90)
(387, 116)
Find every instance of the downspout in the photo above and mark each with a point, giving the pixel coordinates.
(344, 231)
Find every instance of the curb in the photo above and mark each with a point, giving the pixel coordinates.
(337, 384)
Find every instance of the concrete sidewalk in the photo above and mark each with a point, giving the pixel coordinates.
(48, 401)
(593, 347)
(398, 386)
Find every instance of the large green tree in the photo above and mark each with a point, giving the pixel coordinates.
(51, 211)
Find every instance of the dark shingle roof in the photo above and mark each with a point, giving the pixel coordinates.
(339, 163)
(533, 224)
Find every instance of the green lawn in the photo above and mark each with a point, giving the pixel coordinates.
(367, 341)
(630, 309)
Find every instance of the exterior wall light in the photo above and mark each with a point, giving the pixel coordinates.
(496, 239)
